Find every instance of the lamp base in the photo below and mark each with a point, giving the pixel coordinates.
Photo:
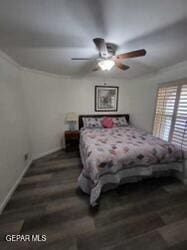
(72, 126)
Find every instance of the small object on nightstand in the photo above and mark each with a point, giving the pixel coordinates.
(72, 140)
(71, 119)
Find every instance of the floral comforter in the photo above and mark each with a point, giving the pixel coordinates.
(109, 154)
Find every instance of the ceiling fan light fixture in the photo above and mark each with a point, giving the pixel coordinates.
(106, 64)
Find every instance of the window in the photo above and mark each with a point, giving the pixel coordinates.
(170, 121)
(164, 112)
(179, 135)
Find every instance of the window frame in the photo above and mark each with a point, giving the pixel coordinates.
(179, 84)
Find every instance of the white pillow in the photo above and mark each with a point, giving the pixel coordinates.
(92, 122)
(119, 121)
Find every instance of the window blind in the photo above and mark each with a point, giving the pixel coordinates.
(179, 135)
(166, 98)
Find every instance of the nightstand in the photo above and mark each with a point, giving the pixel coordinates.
(72, 140)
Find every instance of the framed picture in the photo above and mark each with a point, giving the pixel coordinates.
(106, 98)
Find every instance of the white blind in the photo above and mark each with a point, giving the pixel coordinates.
(164, 111)
(179, 135)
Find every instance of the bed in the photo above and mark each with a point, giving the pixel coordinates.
(117, 155)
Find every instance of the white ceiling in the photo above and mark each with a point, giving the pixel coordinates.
(45, 34)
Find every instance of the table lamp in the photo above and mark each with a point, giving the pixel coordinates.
(71, 119)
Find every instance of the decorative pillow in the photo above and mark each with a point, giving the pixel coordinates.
(92, 122)
(119, 121)
(107, 122)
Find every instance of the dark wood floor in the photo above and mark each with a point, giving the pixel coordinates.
(151, 214)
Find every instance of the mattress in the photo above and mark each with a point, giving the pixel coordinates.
(122, 154)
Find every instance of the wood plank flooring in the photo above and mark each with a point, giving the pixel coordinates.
(149, 215)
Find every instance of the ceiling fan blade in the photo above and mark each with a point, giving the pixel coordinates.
(135, 53)
(121, 66)
(101, 46)
(80, 59)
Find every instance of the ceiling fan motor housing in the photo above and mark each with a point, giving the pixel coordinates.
(111, 48)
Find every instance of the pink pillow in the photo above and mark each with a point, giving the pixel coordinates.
(107, 122)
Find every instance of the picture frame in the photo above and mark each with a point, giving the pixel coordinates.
(106, 98)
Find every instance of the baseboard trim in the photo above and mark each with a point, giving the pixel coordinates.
(11, 191)
(38, 156)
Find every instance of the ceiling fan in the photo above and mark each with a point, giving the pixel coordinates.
(107, 58)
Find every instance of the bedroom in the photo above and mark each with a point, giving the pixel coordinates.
(44, 93)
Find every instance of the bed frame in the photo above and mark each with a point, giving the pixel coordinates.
(101, 115)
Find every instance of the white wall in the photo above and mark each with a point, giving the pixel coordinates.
(49, 98)
(142, 93)
(13, 133)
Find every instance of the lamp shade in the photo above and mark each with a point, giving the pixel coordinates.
(71, 117)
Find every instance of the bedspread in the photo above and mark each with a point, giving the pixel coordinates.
(113, 153)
